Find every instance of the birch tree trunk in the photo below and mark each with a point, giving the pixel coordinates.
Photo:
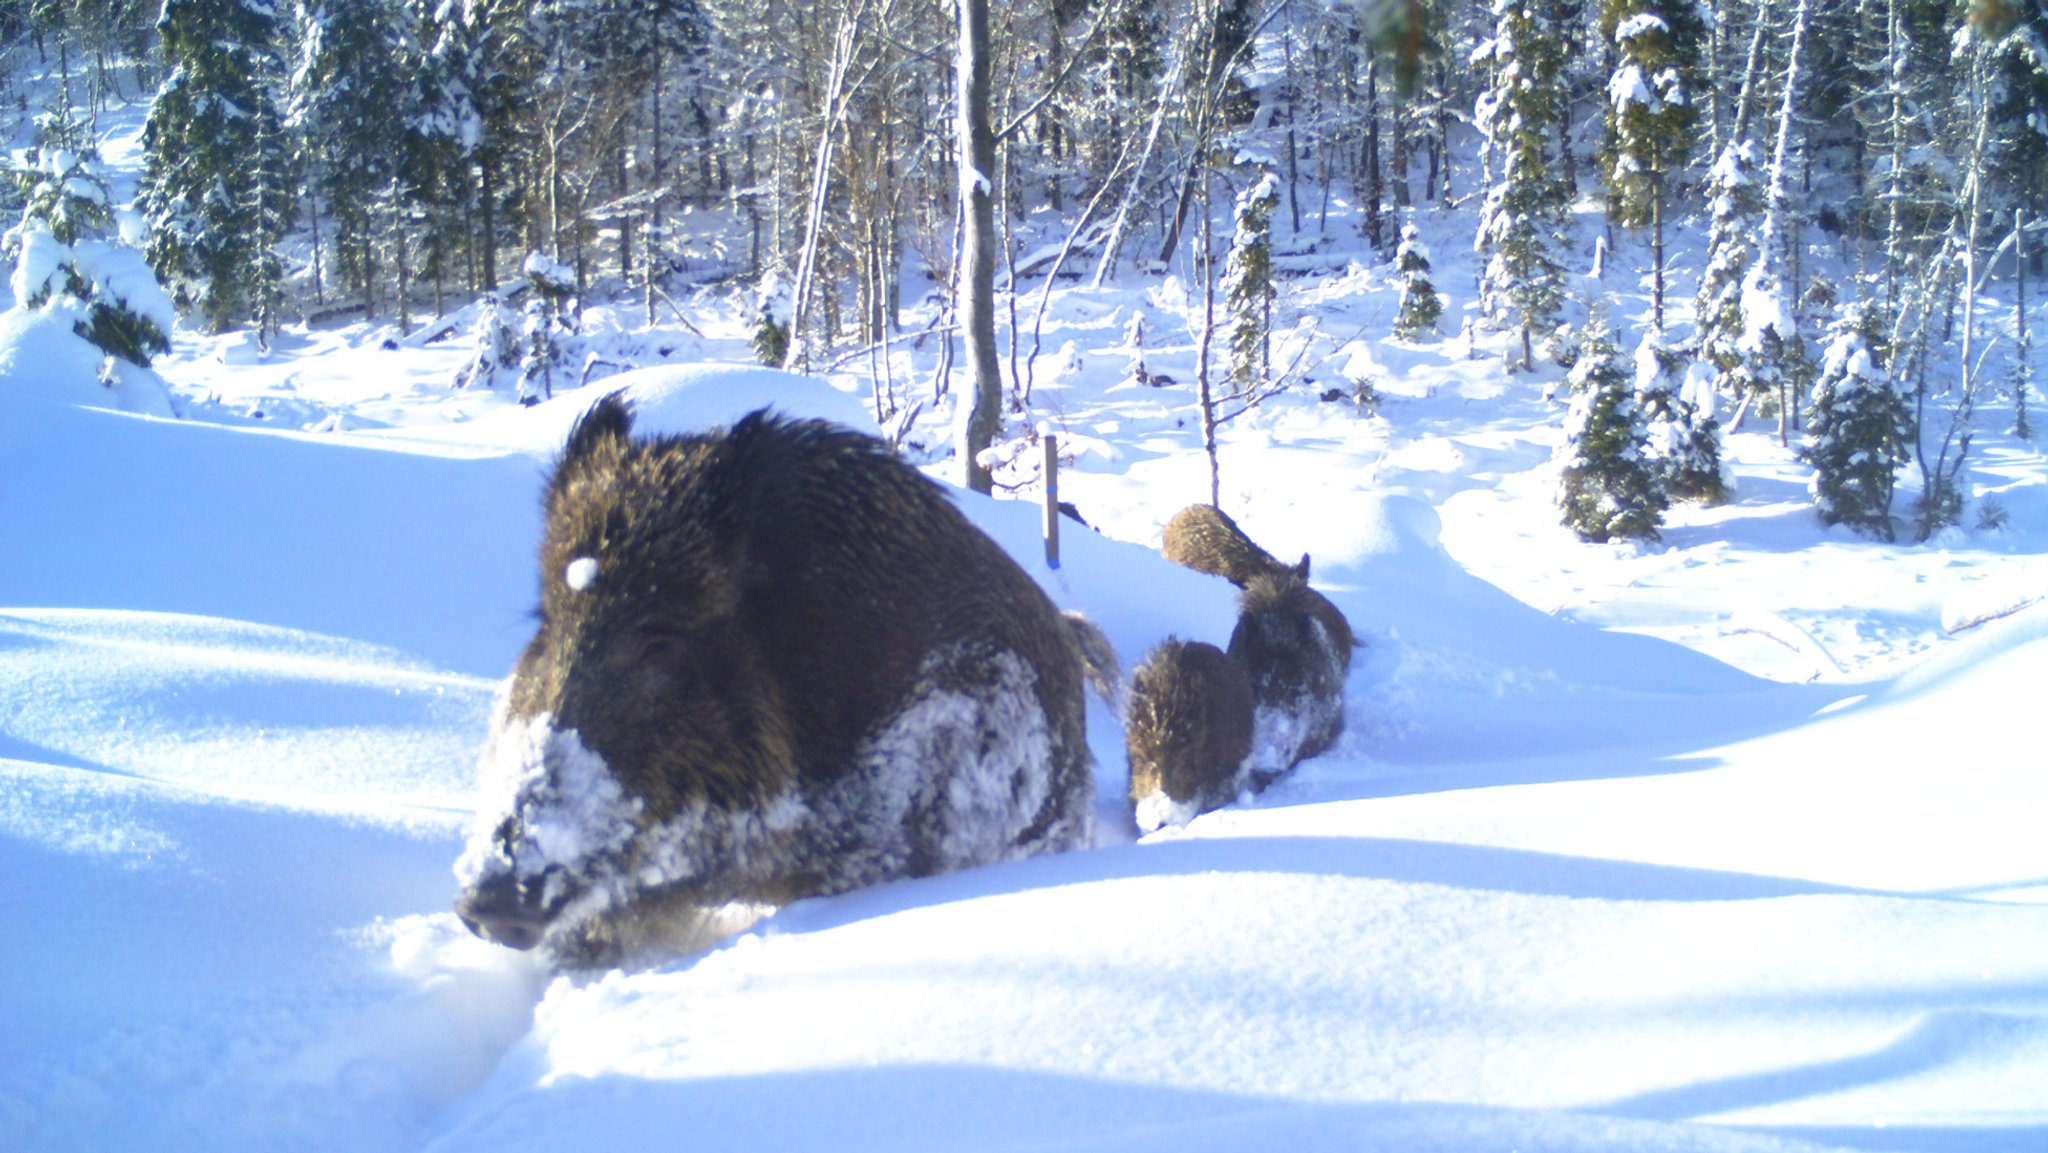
(976, 308)
(798, 357)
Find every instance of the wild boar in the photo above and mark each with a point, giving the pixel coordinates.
(1295, 647)
(771, 662)
(1204, 538)
(1187, 730)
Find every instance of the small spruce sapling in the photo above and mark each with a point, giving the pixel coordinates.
(1678, 407)
(771, 323)
(1860, 427)
(70, 264)
(1134, 346)
(1608, 489)
(552, 287)
(496, 346)
(1421, 307)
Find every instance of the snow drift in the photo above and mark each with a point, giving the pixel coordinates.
(1557, 888)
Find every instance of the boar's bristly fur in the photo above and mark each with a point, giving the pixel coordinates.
(1295, 647)
(1204, 538)
(771, 662)
(1187, 731)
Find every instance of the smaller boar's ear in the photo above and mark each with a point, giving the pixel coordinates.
(1301, 570)
(609, 419)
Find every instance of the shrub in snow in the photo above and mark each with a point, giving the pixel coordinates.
(1248, 287)
(1608, 489)
(1678, 410)
(1860, 428)
(1420, 306)
(894, 698)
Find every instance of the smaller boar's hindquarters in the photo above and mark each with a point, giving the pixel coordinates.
(1204, 538)
(771, 662)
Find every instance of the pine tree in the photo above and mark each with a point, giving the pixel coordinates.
(356, 104)
(1735, 206)
(1608, 490)
(1684, 437)
(1521, 219)
(1248, 287)
(1773, 354)
(1420, 306)
(1649, 114)
(70, 263)
(1861, 426)
(212, 135)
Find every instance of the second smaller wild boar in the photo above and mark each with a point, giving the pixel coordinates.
(1188, 730)
(1295, 648)
(1204, 538)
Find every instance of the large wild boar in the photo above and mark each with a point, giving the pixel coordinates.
(1187, 731)
(1295, 646)
(1204, 538)
(772, 662)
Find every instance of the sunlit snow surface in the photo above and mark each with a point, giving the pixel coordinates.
(1730, 842)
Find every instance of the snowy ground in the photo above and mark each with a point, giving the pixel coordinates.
(1730, 842)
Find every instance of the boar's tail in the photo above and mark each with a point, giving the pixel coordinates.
(1098, 659)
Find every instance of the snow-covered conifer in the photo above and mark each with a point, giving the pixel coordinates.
(551, 287)
(1420, 306)
(1860, 426)
(1608, 489)
(1522, 217)
(214, 187)
(1248, 283)
(358, 105)
(1649, 114)
(496, 345)
(771, 322)
(70, 263)
(1735, 206)
(1678, 410)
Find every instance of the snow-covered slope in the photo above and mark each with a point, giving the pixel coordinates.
(1559, 887)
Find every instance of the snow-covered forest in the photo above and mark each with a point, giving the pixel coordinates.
(1863, 172)
(1651, 385)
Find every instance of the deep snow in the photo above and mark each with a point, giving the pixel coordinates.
(1731, 841)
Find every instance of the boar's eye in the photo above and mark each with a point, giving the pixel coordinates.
(653, 646)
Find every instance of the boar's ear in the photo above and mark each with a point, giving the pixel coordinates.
(609, 419)
(1301, 570)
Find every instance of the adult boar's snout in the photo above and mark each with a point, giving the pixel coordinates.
(496, 912)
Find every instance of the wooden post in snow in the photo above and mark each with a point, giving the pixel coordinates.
(1051, 441)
